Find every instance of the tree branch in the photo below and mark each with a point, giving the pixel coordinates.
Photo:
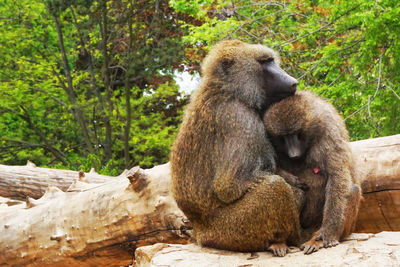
(95, 87)
(317, 30)
(52, 97)
(70, 89)
(391, 89)
(376, 90)
(47, 145)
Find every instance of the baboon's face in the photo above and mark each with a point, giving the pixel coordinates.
(249, 71)
(279, 84)
(261, 66)
(293, 145)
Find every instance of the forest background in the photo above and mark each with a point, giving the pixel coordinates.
(92, 84)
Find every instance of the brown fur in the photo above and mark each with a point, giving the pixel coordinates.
(222, 162)
(333, 197)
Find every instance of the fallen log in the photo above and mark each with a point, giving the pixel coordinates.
(92, 224)
(102, 224)
(18, 182)
(379, 162)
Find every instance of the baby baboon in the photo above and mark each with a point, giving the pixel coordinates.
(222, 162)
(312, 143)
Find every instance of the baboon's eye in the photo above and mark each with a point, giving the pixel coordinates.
(227, 63)
(266, 60)
(301, 136)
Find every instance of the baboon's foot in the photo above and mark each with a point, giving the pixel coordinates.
(311, 246)
(279, 249)
(328, 238)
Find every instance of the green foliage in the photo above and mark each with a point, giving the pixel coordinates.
(47, 109)
(193, 8)
(154, 124)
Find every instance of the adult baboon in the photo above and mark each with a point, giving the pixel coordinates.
(222, 162)
(312, 143)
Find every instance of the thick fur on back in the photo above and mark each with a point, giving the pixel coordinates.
(222, 161)
(226, 106)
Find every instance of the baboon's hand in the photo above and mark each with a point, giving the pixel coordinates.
(291, 179)
(302, 186)
(329, 239)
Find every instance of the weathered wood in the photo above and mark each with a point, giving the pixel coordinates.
(18, 182)
(94, 225)
(379, 211)
(379, 162)
(5, 202)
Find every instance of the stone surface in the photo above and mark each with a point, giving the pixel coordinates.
(359, 250)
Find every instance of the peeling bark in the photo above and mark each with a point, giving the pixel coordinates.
(18, 182)
(92, 224)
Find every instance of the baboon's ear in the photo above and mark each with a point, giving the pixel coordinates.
(225, 65)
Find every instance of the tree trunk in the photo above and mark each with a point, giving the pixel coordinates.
(127, 127)
(92, 224)
(19, 182)
(70, 88)
(105, 117)
(379, 162)
(107, 82)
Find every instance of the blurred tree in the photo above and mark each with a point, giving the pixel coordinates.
(75, 74)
